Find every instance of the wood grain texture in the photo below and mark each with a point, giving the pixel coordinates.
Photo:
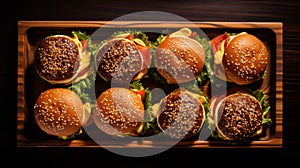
(286, 12)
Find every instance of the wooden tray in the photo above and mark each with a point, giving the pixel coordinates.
(29, 85)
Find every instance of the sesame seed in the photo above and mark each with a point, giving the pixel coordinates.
(180, 115)
(119, 59)
(57, 58)
(240, 116)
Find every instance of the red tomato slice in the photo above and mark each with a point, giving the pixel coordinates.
(141, 93)
(193, 35)
(145, 51)
(217, 41)
(131, 37)
(84, 45)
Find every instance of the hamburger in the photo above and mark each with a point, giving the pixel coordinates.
(178, 57)
(238, 115)
(124, 57)
(63, 59)
(239, 58)
(181, 114)
(60, 112)
(119, 111)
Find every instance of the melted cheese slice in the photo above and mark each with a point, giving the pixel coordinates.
(85, 62)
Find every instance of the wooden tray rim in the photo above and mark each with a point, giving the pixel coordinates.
(23, 26)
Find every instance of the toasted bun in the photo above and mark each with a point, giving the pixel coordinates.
(179, 59)
(118, 111)
(245, 59)
(58, 59)
(59, 111)
(181, 114)
(238, 116)
(119, 59)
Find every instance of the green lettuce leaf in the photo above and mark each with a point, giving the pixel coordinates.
(207, 72)
(84, 87)
(262, 98)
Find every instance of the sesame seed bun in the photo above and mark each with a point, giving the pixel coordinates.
(237, 116)
(119, 59)
(59, 112)
(118, 111)
(245, 59)
(179, 59)
(181, 114)
(59, 59)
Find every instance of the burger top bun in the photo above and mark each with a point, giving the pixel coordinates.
(237, 116)
(245, 59)
(179, 58)
(180, 114)
(59, 112)
(58, 58)
(119, 60)
(119, 111)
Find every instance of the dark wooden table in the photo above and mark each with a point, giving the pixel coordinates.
(205, 11)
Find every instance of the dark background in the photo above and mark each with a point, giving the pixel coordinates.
(205, 11)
